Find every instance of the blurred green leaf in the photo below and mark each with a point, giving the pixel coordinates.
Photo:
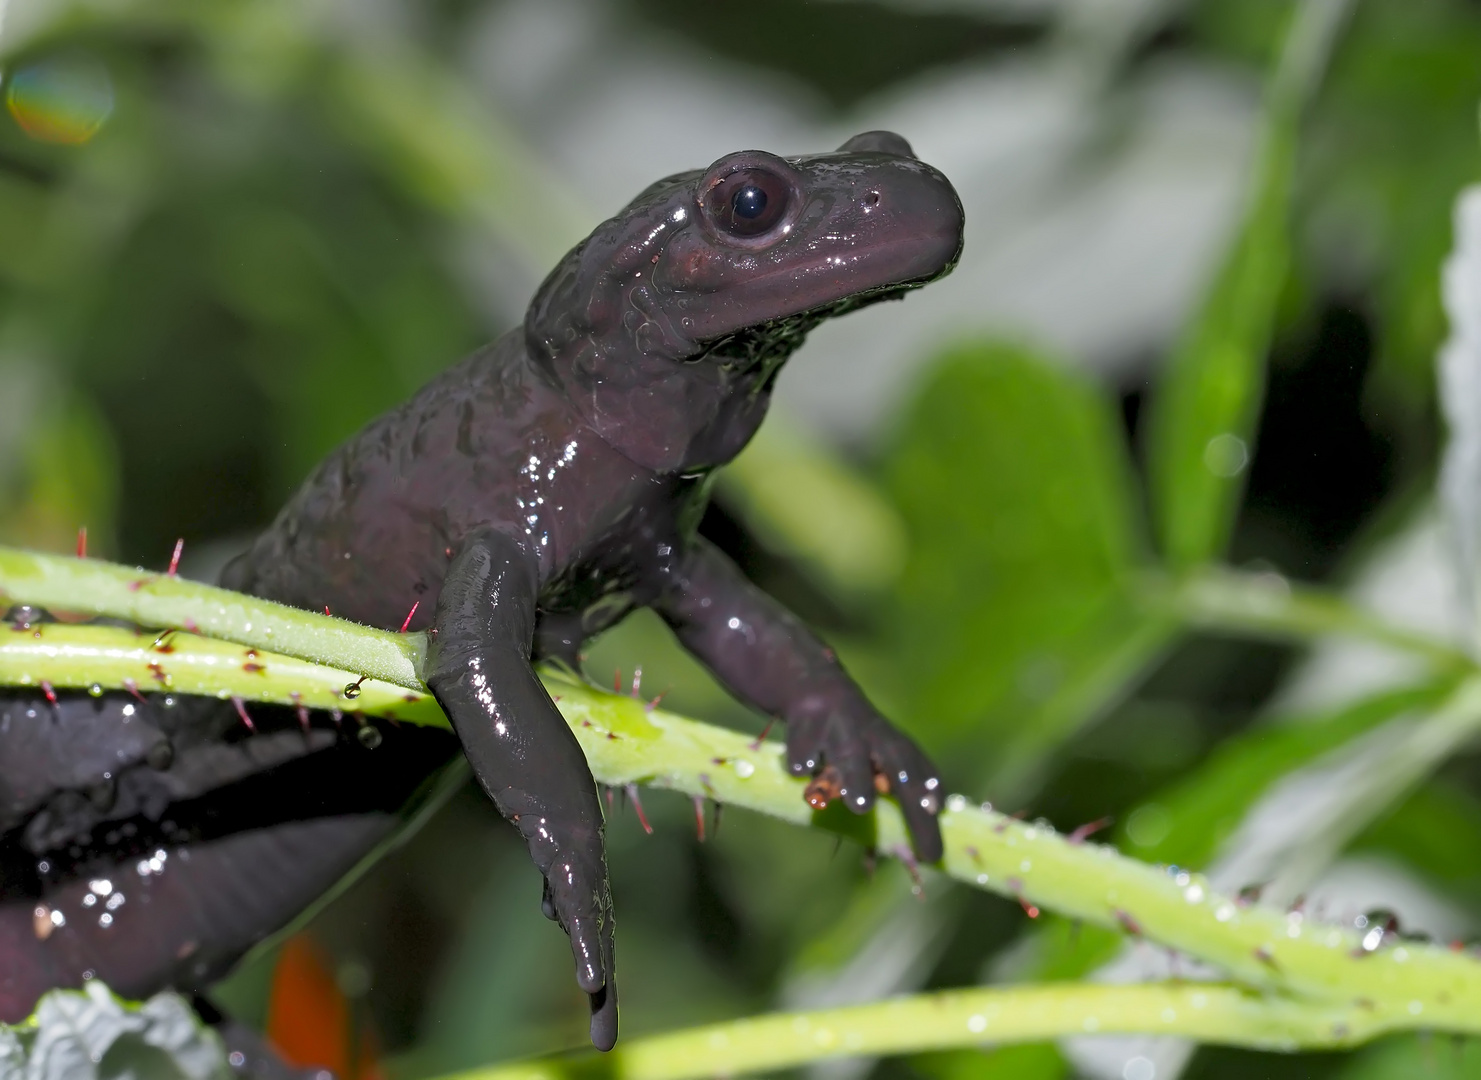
(1201, 427)
(1393, 139)
(802, 501)
(58, 465)
(1405, 1057)
(1187, 823)
(1015, 624)
(1434, 831)
(1030, 1061)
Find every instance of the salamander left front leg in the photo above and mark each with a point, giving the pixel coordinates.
(522, 751)
(764, 654)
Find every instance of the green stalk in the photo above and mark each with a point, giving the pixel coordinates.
(1268, 605)
(92, 587)
(963, 1018)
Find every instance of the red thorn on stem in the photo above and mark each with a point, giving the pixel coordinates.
(1028, 909)
(303, 713)
(326, 611)
(637, 681)
(632, 793)
(764, 732)
(650, 706)
(715, 828)
(1130, 925)
(82, 542)
(617, 680)
(241, 707)
(175, 558)
(50, 692)
(609, 799)
(407, 621)
(699, 817)
(1089, 829)
(133, 688)
(907, 860)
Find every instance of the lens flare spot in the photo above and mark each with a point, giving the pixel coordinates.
(63, 101)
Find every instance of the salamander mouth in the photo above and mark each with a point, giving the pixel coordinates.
(767, 345)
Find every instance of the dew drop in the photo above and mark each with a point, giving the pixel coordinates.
(369, 736)
(95, 690)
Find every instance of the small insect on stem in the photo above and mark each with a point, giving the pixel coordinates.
(405, 622)
(175, 558)
(632, 793)
(82, 542)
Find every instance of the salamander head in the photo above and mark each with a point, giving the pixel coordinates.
(666, 327)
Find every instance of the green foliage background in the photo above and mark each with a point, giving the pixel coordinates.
(261, 249)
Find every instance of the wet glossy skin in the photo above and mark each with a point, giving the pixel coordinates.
(528, 498)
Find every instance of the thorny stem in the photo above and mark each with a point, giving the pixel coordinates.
(1208, 1012)
(92, 587)
(627, 742)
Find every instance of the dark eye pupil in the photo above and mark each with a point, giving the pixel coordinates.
(749, 202)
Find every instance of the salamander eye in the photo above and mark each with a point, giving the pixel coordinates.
(748, 202)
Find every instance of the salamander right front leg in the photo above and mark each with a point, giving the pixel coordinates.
(522, 751)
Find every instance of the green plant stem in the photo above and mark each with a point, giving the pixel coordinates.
(628, 741)
(70, 657)
(1269, 605)
(963, 1018)
(159, 601)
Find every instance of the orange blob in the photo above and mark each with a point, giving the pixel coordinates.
(309, 1020)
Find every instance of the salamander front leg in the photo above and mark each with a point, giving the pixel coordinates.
(522, 751)
(766, 656)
